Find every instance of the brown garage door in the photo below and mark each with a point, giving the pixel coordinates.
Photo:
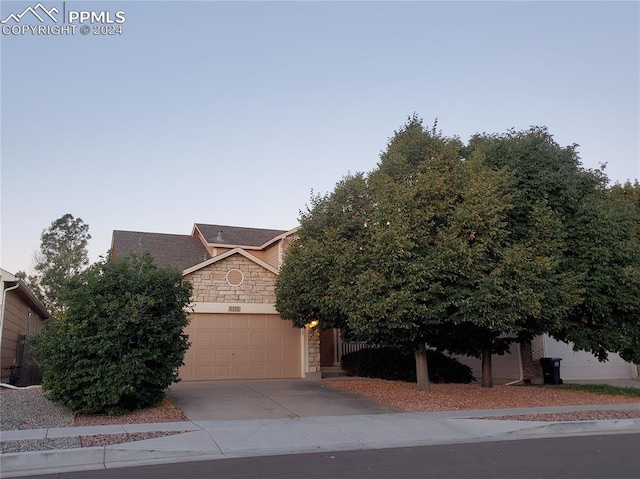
(241, 346)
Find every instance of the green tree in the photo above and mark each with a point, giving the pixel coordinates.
(324, 250)
(121, 339)
(456, 277)
(543, 171)
(628, 192)
(600, 229)
(605, 253)
(422, 251)
(62, 254)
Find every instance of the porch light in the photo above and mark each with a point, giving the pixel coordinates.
(313, 323)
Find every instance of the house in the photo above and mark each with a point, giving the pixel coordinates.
(21, 316)
(523, 363)
(234, 329)
(236, 332)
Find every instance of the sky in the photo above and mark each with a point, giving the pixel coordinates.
(232, 113)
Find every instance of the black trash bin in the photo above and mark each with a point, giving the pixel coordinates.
(551, 370)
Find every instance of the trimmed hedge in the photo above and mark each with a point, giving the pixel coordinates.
(389, 363)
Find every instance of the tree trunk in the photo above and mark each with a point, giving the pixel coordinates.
(487, 376)
(422, 371)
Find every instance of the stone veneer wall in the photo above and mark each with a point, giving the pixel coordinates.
(210, 284)
(313, 345)
(530, 354)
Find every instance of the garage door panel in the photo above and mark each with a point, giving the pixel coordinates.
(202, 371)
(242, 322)
(220, 370)
(257, 370)
(258, 337)
(241, 337)
(240, 355)
(220, 337)
(204, 354)
(241, 346)
(581, 365)
(221, 354)
(258, 354)
(275, 337)
(240, 370)
(204, 337)
(276, 354)
(221, 322)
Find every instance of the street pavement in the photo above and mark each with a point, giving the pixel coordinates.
(291, 433)
(584, 457)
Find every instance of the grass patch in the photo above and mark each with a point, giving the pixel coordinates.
(602, 389)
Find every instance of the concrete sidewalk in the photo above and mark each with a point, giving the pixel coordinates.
(206, 440)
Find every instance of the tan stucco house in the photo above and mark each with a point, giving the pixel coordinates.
(21, 316)
(234, 329)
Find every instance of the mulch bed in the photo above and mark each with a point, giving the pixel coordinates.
(457, 397)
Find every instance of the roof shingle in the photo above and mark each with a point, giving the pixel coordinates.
(237, 236)
(180, 251)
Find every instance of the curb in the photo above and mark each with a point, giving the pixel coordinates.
(130, 454)
(609, 426)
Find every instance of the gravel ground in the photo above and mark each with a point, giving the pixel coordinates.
(29, 409)
(40, 444)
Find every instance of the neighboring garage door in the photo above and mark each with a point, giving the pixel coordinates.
(241, 346)
(580, 365)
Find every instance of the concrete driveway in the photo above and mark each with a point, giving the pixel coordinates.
(267, 398)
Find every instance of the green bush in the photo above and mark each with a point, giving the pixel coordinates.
(120, 341)
(388, 363)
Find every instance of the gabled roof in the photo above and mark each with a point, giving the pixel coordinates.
(24, 291)
(180, 251)
(232, 236)
(226, 254)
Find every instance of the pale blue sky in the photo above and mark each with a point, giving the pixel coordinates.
(232, 112)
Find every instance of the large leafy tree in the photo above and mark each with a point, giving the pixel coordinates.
(451, 273)
(600, 226)
(605, 253)
(121, 339)
(421, 251)
(62, 254)
(321, 260)
(628, 192)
